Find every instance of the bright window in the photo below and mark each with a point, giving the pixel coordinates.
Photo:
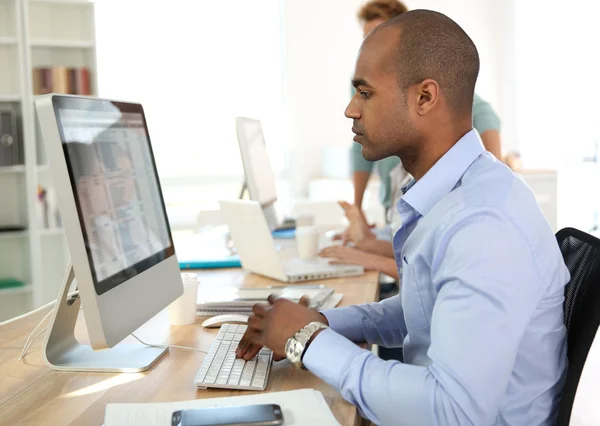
(195, 66)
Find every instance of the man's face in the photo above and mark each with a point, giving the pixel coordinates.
(380, 107)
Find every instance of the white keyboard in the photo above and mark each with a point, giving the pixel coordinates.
(221, 369)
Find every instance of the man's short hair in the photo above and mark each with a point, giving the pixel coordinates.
(431, 45)
(381, 9)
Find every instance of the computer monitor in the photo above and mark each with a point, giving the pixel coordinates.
(122, 254)
(260, 179)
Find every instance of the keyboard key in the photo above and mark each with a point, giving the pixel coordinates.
(258, 382)
(245, 382)
(234, 380)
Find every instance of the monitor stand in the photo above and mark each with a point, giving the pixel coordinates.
(243, 190)
(270, 212)
(64, 353)
(271, 216)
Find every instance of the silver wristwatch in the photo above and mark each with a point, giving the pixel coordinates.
(296, 345)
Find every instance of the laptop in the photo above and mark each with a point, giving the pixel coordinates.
(255, 246)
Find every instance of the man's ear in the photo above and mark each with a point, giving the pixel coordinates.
(428, 95)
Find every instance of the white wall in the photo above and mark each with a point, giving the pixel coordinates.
(321, 40)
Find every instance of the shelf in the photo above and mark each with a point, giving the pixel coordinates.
(69, 2)
(63, 44)
(27, 288)
(52, 232)
(13, 235)
(8, 97)
(8, 40)
(12, 169)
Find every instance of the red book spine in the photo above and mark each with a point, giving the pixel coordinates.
(84, 82)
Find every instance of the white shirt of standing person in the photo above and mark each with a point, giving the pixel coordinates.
(399, 179)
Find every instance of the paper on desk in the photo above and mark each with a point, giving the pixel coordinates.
(300, 407)
(332, 301)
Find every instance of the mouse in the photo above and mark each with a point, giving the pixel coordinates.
(219, 320)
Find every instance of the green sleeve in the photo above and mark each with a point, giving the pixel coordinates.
(359, 164)
(484, 117)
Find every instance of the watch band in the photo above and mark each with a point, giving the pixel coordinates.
(297, 344)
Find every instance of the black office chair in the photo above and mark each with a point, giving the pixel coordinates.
(581, 253)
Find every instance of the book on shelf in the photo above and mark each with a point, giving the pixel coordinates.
(61, 79)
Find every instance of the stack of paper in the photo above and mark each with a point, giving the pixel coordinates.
(240, 301)
(300, 407)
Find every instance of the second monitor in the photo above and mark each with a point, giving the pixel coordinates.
(260, 179)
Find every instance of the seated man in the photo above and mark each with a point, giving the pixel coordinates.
(480, 315)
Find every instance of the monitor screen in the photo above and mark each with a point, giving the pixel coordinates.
(259, 175)
(116, 188)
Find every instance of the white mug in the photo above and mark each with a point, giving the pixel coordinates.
(307, 240)
(183, 309)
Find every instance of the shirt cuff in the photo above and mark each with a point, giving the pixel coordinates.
(328, 355)
(346, 322)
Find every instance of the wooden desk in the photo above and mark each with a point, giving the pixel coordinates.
(32, 394)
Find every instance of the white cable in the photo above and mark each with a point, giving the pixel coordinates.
(169, 346)
(25, 350)
(29, 340)
(26, 314)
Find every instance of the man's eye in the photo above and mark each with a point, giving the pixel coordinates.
(365, 95)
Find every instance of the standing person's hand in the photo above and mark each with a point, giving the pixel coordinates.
(358, 229)
(272, 325)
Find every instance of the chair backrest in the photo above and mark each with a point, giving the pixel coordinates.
(581, 253)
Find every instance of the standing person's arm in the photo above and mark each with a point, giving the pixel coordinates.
(487, 123)
(361, 172)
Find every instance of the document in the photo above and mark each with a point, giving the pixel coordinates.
(300, 407)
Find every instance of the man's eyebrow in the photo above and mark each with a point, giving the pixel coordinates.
(359, 82)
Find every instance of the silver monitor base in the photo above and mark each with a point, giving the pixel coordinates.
(64, 353)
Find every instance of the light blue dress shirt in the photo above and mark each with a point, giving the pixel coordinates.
(480, 314)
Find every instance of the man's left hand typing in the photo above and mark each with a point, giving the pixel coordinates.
(273, 324)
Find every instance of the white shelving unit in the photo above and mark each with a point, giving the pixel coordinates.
(12, 169)
(35, 33)
(7, 97)
(64, 44)
(15, 246)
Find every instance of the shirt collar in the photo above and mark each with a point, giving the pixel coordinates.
(443, 177)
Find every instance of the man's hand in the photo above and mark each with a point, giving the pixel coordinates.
(273, 324)
(358, 228)
(342, 255)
